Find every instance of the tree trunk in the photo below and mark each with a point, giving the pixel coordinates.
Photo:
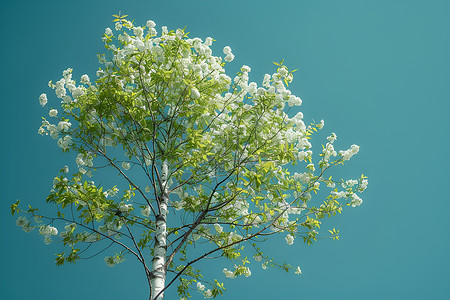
(159, 259)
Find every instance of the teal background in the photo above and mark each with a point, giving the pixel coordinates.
(377, 72)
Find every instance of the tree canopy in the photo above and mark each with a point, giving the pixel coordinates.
(209, 165)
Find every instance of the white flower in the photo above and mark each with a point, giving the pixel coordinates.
(108, 32)
(266, 81)
(85, 78)
(109, 261)
(43, 99)
(331, 184)
(226, 50)
(80, 160)
(126, 165)
(311, 167)
(138, 31)
(22, 221)
(66, 169)
(294, 101)
(283, 71)
(339, 195)
(229, 57)
(146, 211)
(125, 207)
(349, 183)
(200, 286)
(356, 201)
(289, 239)
(298, 271)
(218, 228)
(53, 113)
(47, 230)
(363, 185)
(247, 272)
(208, 294)
(228, 274)
(321, 124)
(332, 138)
(150, 24)
(208, 41)
(63, 125)
(65, 142)
(347, 154)
(78, 92)
(245, 68)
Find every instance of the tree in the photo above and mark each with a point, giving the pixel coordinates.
(185, 138)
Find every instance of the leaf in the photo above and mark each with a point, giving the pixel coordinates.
(14, 207)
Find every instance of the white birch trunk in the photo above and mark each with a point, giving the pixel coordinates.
(159, 259)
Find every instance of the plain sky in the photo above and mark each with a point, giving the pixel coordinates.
(377, 72)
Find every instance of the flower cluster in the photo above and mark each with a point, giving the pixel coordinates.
(289, 239)
(47, 231)
(347, 154)
(24, 223)
(111, 261)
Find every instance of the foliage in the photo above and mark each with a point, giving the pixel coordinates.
(207, 161)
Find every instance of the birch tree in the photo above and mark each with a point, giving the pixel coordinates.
(208, 166)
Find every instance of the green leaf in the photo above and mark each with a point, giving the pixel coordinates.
(14, 207)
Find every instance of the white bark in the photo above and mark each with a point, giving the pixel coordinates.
(159, 259)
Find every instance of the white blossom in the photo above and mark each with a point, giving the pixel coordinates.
(356, 201)
(125, 207)
(47, 230)
(53, 113)
(77, 92)
(363, 185)
(289, 239)
(146, 211)
(258, 257)
(126, 165)
(298, 271)
(208, 293)
(226, 50)
(347, 154)
(150, 24)
(43, 99)
(65, 142)
(111, 261)
(22, 221)
(228, 274)
(138, 31)
(321, 124)
(63, 126)
(218, 228)
(200, 286)
(85, 78)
